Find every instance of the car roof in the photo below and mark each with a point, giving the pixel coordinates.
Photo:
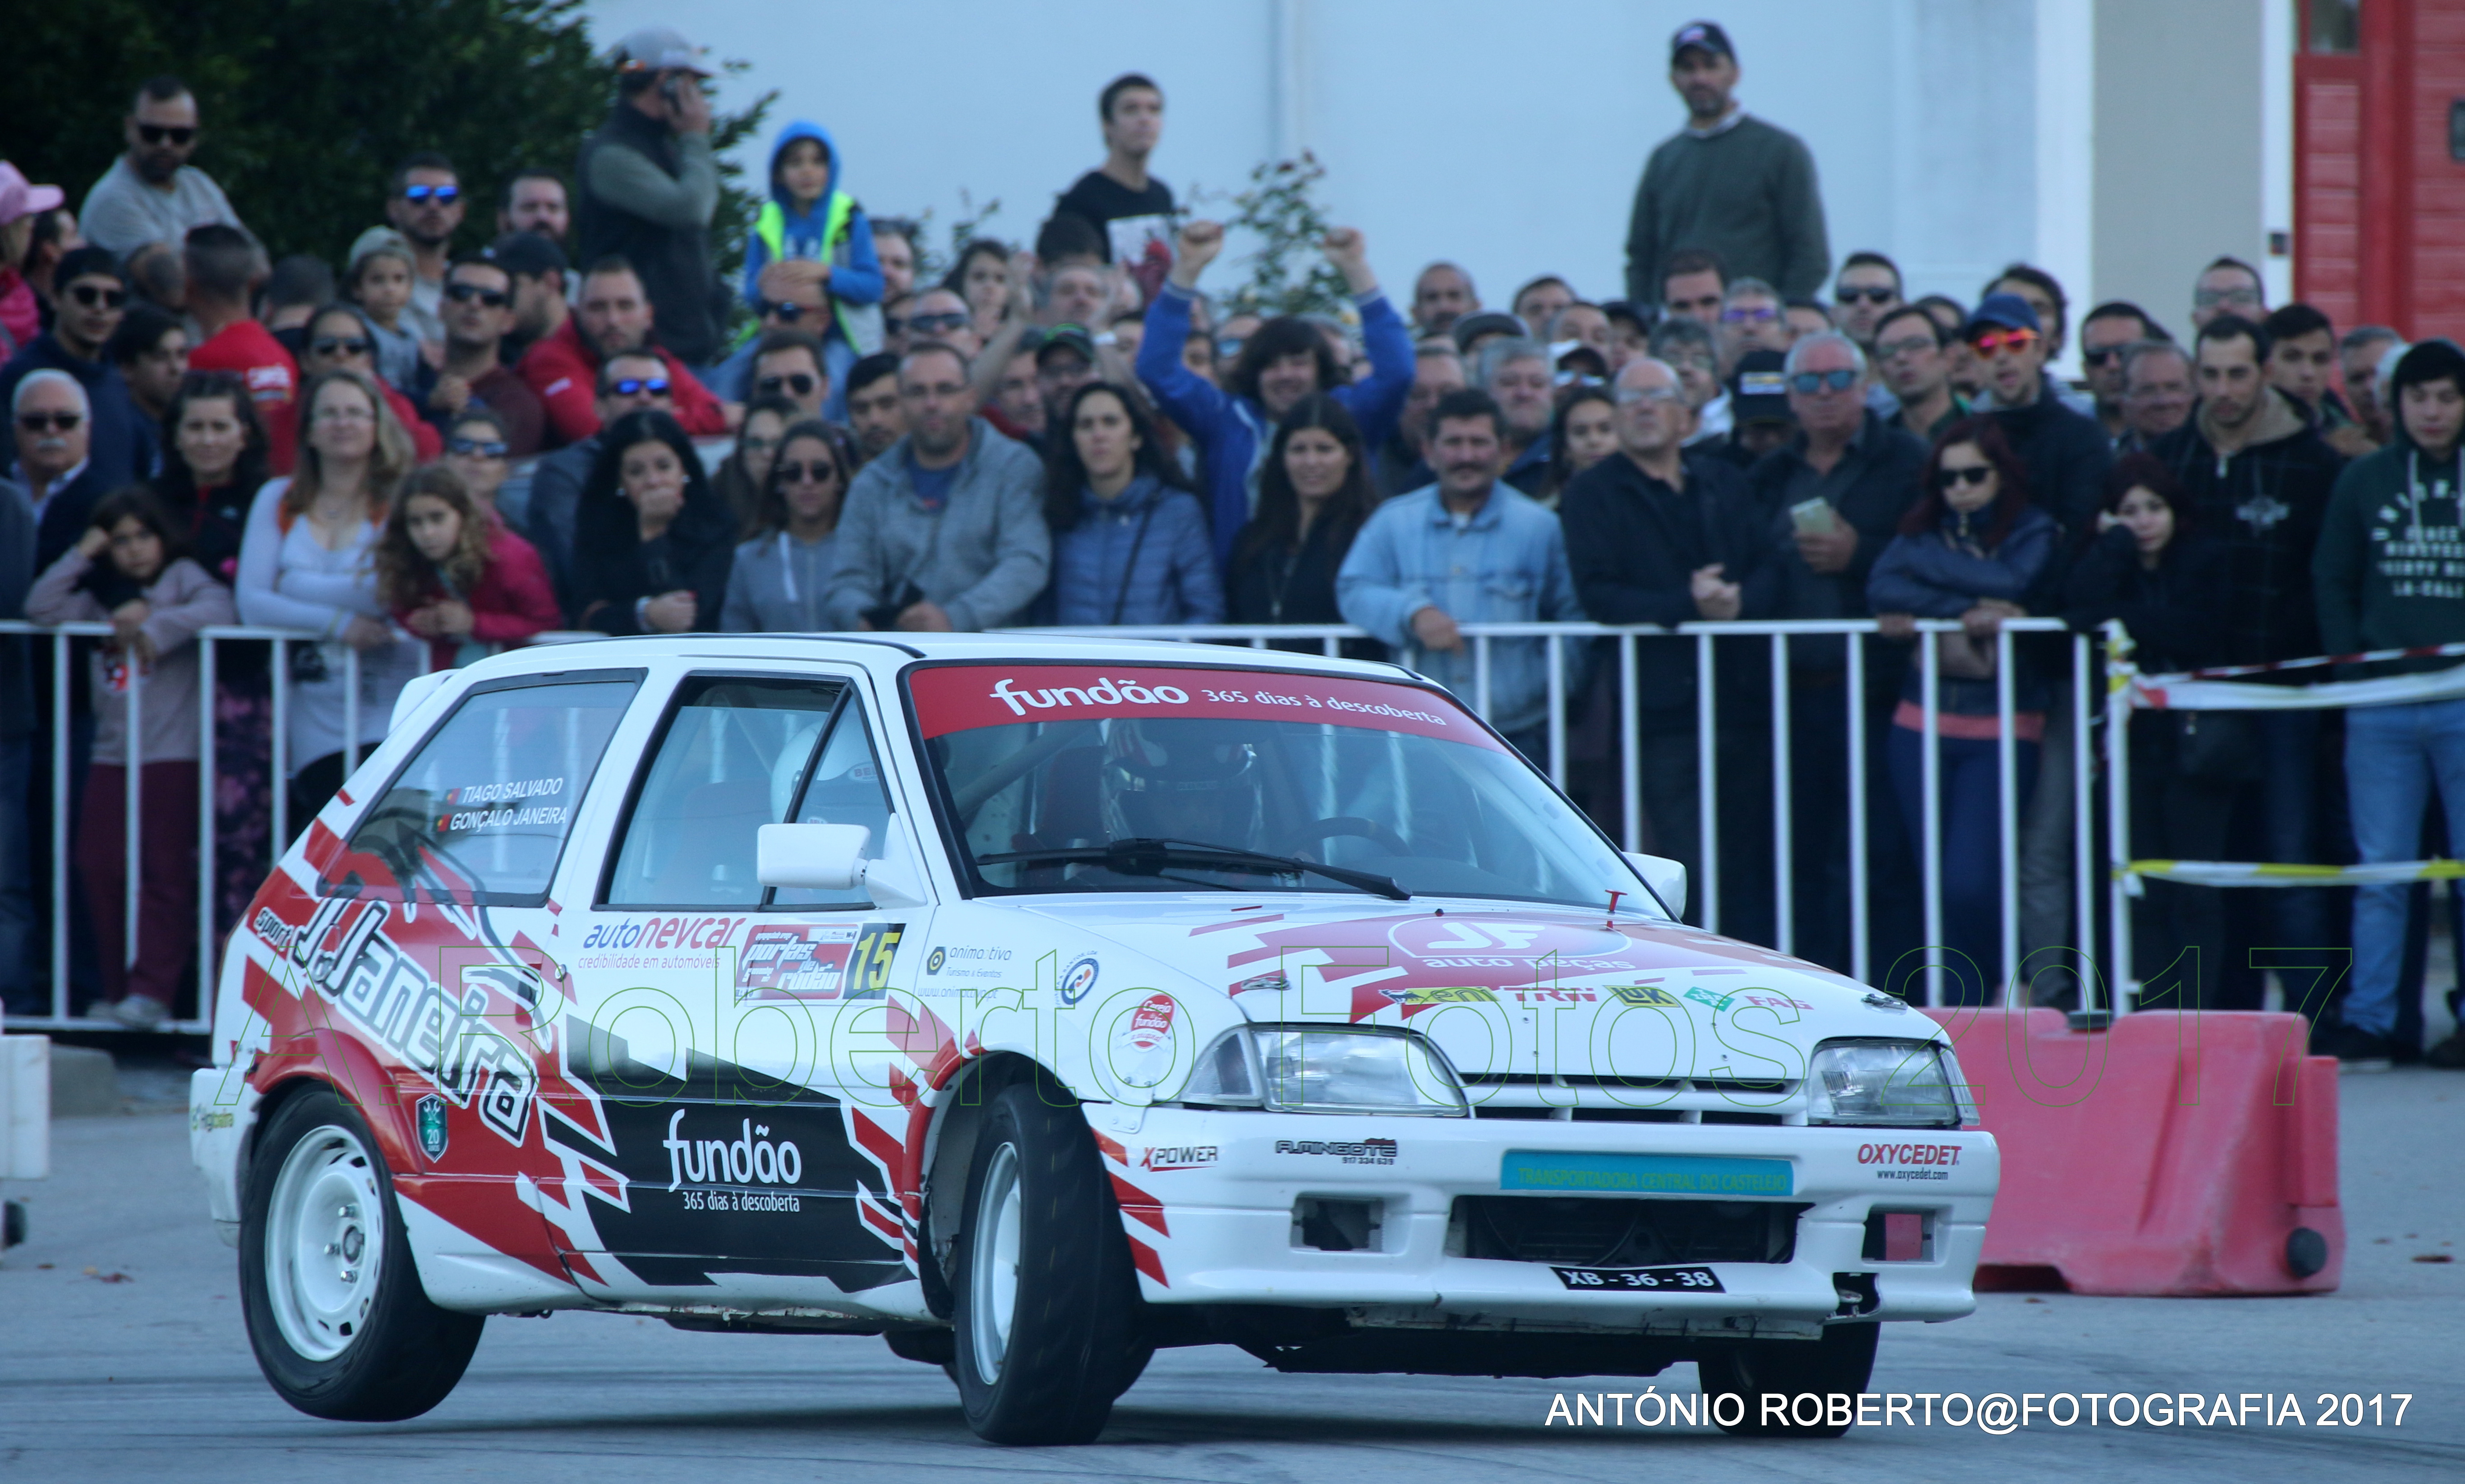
(886, 655)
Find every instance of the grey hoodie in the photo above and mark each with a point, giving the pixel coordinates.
(982, 556)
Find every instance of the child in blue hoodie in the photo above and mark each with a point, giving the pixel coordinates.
(810, 232)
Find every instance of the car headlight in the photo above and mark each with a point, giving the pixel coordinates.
(1327, 1069)
(1884, 1084)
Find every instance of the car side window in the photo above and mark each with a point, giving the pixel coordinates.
(737, 753)
(482, 810)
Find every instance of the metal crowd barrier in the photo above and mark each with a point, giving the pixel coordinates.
(62, 787)
(1705, 889)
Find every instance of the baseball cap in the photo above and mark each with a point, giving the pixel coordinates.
(1074, 336)
(19, 197)
(1489, 321)
(1700, 36)
(376, 240)
(529, 254)
(2003, 312)
(1757, 388)
(659, 49)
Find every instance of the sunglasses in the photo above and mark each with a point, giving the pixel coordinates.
(1915, 344)
(158, 133)
(2109, 356)
(93, 294)
(464, 293)
(1873, 294)
(58, 422)
(1763, 316)
(2209, 299)
(819, 472)
(791, 313)
(442, 195)
(340, 345)
(487, 448)
(1807, 383)
(797, 383)
(1954, 479)
(635, 386)
(1993, 342)
(932, 324)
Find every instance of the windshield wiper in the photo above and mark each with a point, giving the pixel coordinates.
(1147, 856)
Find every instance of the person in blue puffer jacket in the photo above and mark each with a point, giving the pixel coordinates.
(1970, 548)
(811, 234)
(1284, 361)
(1129, 543)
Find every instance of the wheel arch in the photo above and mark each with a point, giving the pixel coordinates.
(949, 1151)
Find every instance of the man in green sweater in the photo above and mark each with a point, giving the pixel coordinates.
(2389, 573)
(1736, 186)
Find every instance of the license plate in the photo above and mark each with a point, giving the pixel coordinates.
(1641, 1281)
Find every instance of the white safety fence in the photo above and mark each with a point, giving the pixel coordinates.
(1563, 643)
(55, 844)
(1705, 889)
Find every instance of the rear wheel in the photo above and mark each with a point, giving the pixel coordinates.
(1047, 1306)
(340, 1324)
(1841, 1362)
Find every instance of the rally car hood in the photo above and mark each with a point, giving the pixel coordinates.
(1299, 955)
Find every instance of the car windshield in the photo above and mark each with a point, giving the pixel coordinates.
(1070, 778)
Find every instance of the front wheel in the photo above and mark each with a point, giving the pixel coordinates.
(340, 1324)
(1841, 1362)
(1047, 1306)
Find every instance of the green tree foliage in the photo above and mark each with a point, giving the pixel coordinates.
(310, 105)
(1288, 275)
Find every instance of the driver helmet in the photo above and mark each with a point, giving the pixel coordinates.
(1176, 781)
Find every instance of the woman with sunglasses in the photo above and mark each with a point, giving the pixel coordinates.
(307, 563)
(783, 567)
(1970, 548)
(341, 338)
(745, 474)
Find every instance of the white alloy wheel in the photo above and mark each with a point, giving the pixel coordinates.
(325, 1242)
(992, 1267)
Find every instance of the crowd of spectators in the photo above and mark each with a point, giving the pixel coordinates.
(420, 455)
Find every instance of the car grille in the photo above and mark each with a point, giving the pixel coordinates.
(1599, 1232)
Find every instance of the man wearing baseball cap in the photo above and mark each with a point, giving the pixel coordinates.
(1728, 184)
(650, 185)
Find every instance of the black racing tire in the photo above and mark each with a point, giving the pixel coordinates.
(1041, 1238)
(1842, 1361)
(339, 1343)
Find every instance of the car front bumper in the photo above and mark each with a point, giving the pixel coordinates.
(1213, 1197)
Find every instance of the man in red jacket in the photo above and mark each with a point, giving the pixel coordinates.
(224, 266)
(612, 318)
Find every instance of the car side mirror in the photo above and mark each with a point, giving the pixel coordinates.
(815, 856)
(1666, 878)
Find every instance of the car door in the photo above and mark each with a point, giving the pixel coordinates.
(708, 1003)
(430, 943)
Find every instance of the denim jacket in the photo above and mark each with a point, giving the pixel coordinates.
(1506, 564)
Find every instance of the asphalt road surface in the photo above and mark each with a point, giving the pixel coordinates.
(122, 1357)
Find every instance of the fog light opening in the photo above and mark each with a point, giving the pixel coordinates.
(1326, 1225)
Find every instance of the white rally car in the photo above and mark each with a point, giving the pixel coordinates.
(1035, 1003)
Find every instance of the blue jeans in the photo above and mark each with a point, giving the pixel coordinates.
(2289, 822)
(1972, 851)
(2393, 754)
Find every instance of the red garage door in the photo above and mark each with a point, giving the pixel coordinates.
(2379, 163)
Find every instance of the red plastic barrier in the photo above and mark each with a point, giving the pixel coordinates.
(2175, 1154)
